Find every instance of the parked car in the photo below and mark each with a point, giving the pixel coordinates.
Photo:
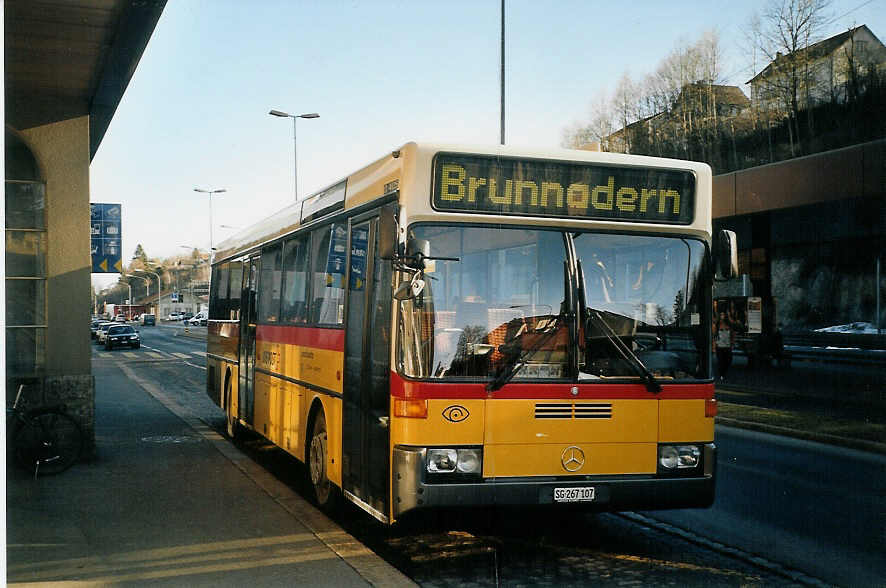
(186, 316)
(93, 327)
(198, 319)
(148, 319)
(121, 318)
(122, 335)
(174, 316)
(102, 331)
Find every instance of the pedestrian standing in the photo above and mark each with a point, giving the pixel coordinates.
(724, 339)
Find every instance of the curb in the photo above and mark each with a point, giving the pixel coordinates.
(871, 446)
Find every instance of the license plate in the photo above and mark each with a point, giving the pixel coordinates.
(582, 494)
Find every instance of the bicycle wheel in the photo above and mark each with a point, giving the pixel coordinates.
(49, 442)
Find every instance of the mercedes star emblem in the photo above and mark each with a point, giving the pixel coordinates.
(573, 458)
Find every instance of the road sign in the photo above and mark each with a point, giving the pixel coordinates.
(106, 238)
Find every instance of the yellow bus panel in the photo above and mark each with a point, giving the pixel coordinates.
(548, 459)
(684, 420)
(596, 421)
(437, 430)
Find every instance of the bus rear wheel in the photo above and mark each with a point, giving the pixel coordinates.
(324, 491)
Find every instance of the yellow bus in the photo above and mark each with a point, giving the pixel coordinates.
(472, 327)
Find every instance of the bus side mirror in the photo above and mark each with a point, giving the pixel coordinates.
(726, 255)
(388, 233)
(417, 250)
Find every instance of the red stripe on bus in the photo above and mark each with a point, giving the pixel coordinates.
(406, 389)
(330, 339)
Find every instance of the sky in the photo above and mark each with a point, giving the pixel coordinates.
(380, 73)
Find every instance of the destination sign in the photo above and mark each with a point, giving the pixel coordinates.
(496, 185)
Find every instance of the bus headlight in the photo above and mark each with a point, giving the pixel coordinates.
(442, 460)
(450, 460)
(469, 461)
(678, 457)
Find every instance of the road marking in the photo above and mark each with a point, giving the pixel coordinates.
(181, 355)
(129, 354)
(105, 354)
(156, 354)
(200, 353)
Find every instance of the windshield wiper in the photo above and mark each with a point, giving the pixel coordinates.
(627, 354)
(509, 369)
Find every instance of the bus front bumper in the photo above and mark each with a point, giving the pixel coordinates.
(610, 493)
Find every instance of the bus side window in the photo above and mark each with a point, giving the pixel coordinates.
(236, 288)
(296, 264)
(218, 299)
(269, 284)
(328, 254)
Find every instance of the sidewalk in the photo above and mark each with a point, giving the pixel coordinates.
(168, 501)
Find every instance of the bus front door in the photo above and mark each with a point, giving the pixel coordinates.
(365, 435)
(246, 392)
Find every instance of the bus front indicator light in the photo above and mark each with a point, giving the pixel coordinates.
(411, 409)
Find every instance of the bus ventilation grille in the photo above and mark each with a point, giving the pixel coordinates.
(573, 411)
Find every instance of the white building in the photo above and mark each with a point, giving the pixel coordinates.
(824, 72)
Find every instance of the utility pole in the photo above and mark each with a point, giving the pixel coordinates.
(502, 72)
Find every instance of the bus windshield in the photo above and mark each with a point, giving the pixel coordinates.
(647, 291)
(501, 306)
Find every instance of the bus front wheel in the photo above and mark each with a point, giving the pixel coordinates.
(324, 491)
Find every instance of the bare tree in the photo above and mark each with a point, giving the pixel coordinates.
(599, 128)
(624, 105)
(783, 31)
(672, 112)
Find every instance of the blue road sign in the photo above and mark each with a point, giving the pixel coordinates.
(106, 238)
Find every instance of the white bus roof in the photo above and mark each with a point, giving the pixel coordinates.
(411, 163)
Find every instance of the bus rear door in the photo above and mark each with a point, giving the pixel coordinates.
(246, 389)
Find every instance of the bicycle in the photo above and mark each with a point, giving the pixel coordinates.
(45, 439)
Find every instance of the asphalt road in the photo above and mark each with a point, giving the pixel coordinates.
(802, 506)
(810, 507)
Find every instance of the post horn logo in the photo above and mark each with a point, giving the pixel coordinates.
(573, 458)
(455, 413)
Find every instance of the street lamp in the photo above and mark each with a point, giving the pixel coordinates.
(199, 260)
(120, 281)
(210, 192)
(156, 275)
(294, 118)
(147, 283)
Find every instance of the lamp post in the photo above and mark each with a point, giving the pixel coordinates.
(156, 275)
(294, 118)
(502, 109)
(210, 192)
(120, 281)
(147, 283)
